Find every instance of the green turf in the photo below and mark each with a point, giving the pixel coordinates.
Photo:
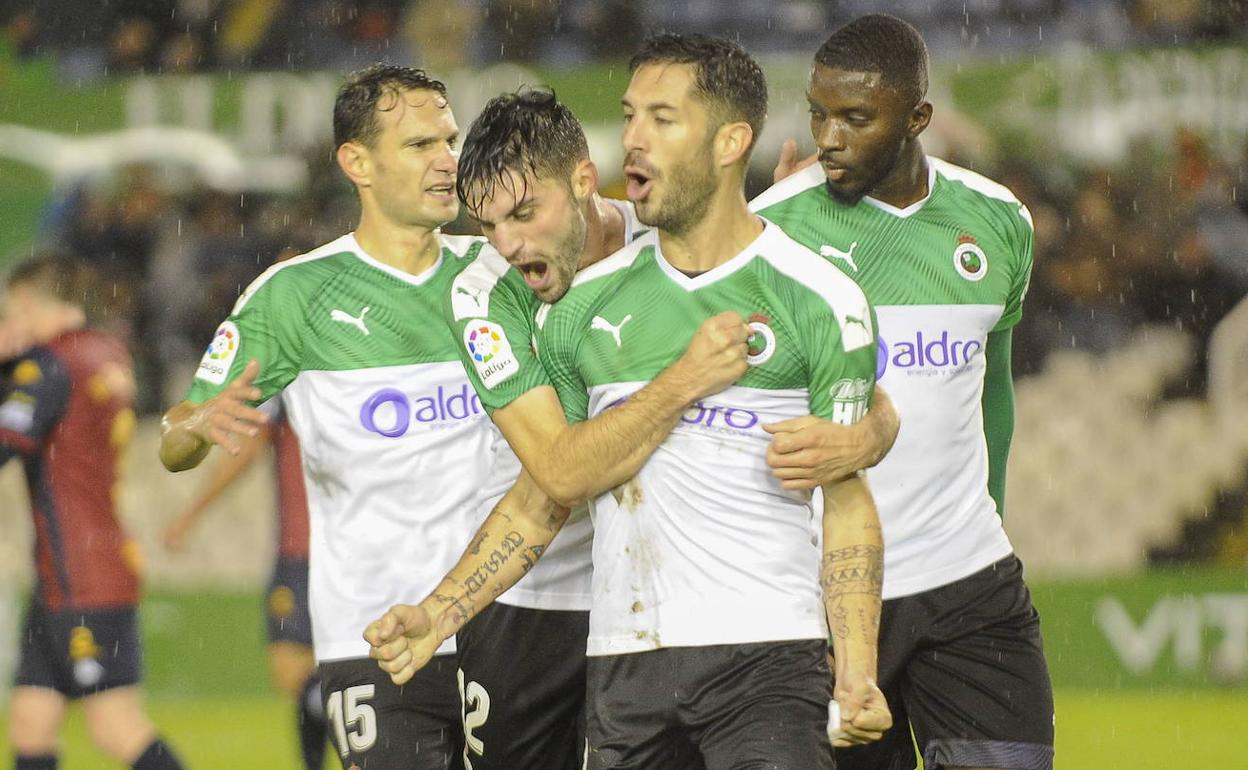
(1096, 731)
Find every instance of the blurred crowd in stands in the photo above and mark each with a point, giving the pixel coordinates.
(94, 38)
(1163, 240)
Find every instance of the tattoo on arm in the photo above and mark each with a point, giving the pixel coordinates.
(850, 571)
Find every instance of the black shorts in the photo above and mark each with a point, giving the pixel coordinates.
(964, 664)
(523, 686)
(80, 652)
(378, 725)
(286, 603)
(720, 707)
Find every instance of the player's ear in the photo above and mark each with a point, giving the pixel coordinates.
(919, 119)
(353, 160)
(584, 180)
(732, 142)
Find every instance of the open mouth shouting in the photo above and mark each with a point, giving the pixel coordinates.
(536, 273)
(640, 178)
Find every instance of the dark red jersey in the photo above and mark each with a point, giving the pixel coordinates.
(292, 496)
(68, 412)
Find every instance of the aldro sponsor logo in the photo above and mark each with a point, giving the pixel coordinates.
(390, 412)
(926, 353)
(719, 418)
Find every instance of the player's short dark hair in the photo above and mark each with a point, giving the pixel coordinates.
(528, 132)
(59, 276)
(727, 78)
(880, 43)
(355, 108)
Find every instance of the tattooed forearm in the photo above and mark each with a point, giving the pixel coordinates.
(855, 571)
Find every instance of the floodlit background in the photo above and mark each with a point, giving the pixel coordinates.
(182, 145)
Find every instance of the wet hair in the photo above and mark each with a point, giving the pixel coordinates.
(727, 79)
(529, 132)
(59, 277)
(355, 108)
(880, 43)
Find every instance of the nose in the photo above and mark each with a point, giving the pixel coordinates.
(634, 135)
(830, 136)
(447, 160)
(506, 241)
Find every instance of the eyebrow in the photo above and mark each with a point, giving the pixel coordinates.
(650, 105)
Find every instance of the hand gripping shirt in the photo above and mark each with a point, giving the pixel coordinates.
(704, 530)
(398, 454)
(942, 274)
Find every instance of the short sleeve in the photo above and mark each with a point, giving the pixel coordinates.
(556, 346)
(267, 325)
(842, 362)
(496, 341)
(34, 404)
(1022, 242)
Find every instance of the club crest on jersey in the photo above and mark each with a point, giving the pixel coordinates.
(761, 345)
(969, 259)
(490, 351)
(215, 365)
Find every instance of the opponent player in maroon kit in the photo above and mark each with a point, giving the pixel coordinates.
(291, 663)
(66, 410)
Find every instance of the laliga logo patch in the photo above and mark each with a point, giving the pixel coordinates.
(969, 259)
(761, 345)
(490, 352)
(215, 365)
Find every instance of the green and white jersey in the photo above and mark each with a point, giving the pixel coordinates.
(704, 529)
(399, 457)
(942, 274)
(491, 311)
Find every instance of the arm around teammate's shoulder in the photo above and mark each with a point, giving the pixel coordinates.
(188, 430)
(577, 461)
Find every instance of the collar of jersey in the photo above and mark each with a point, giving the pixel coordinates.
(415, 280)
(888, 208)
(716, 273)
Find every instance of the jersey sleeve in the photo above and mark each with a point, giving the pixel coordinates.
(496, 339)
(556, 344)
(1022, 240)
(842, 361)
(34, 404)
(267, 325)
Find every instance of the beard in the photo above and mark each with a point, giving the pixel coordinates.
(693, 184)
(566, 259)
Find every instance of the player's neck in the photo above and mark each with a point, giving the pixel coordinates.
(408, 248)
(728, 227)
(906, 184)
(604, 231)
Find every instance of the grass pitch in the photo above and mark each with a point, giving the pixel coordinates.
(1095, 731)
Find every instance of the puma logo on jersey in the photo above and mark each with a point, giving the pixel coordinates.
(603, 325)
(343, 317)
(846, 256)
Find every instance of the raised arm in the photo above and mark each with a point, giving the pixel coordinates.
(510, 541)
(578, 461)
